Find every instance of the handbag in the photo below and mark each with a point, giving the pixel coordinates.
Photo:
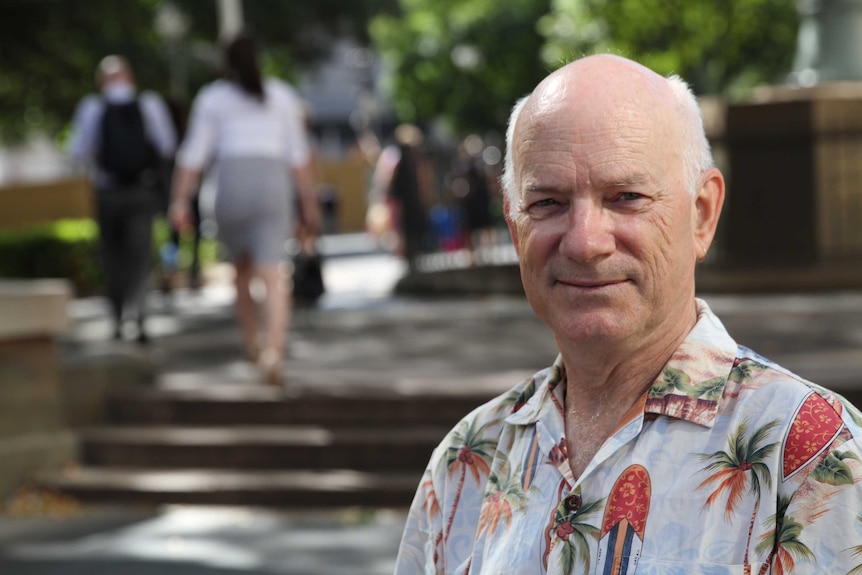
(308, 284)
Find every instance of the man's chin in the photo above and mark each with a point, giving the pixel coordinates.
(589, 327)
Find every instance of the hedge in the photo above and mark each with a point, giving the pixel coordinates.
(69, 249)
(66, 249)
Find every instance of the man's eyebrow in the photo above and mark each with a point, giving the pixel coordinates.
(621, 182)
(538, 187)
(599, 182)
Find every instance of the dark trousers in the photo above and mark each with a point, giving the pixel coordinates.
(125, 218)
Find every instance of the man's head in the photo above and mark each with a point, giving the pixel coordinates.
(611, 199)
(114, 70)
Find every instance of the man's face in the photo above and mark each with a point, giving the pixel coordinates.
(605, 227)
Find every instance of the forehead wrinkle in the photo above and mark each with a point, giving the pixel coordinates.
(617, 162)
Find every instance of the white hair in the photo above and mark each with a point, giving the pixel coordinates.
(507, 179)
(696, 157)
(696, 153)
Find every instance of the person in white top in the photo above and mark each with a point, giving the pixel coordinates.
(251, 128)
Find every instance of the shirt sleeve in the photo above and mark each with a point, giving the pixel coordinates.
(199, 143)
(81, 145)
(423, 533)
(160, 126)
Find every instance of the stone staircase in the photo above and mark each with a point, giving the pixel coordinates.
(251, 446)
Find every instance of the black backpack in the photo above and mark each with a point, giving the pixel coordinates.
(125, 151)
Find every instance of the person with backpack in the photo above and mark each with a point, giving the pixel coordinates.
(126, 140)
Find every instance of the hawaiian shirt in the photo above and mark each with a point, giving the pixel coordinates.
(734, 465)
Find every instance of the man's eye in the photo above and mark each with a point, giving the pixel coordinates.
(543, 203)
(629, 196)
(542, 207)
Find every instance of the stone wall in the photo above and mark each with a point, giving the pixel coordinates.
(34, 435)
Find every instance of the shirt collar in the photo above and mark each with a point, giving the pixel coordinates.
(692, 382)
(539, 394)
(689, 386)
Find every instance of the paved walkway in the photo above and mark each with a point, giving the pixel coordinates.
(359, 339)
(196, 344)
(203, 541)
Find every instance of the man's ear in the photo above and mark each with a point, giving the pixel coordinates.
(708, 201)
(513, 229)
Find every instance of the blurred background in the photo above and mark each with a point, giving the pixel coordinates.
(171, 457)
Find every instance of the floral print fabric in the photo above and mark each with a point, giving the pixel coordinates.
(734, 466)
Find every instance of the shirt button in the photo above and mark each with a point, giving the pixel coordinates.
(573, 501)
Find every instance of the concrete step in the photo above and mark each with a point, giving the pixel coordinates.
(260, 447)
(293, 489)
(244, 406)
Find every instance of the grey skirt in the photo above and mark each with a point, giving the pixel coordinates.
(254, 208)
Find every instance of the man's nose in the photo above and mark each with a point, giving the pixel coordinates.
(590, 233)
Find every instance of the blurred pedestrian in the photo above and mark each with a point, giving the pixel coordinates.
(402, 191)
(655, 443)
(127, 139)
(467, 182)
(253, 128)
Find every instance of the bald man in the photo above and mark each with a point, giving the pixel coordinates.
(654, 443)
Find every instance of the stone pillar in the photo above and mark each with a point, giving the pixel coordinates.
(795, 191)
(795, 151)
(33, 434)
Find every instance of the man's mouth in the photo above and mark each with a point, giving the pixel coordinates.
(590, 284)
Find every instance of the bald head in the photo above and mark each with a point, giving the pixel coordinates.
(610, 93)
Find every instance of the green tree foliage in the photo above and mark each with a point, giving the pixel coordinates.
(467, 61)
(719, 46)
(49, 49)
(49, 54)
(464, 61)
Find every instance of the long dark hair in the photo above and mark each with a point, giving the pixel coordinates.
(242, 65)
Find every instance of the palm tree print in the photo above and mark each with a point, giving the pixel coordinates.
(432, 506)
(739, 469)
(469, 450)
(783, 543)
(574, 534)
(503, 496)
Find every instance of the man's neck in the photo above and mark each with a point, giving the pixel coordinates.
(605, 382)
